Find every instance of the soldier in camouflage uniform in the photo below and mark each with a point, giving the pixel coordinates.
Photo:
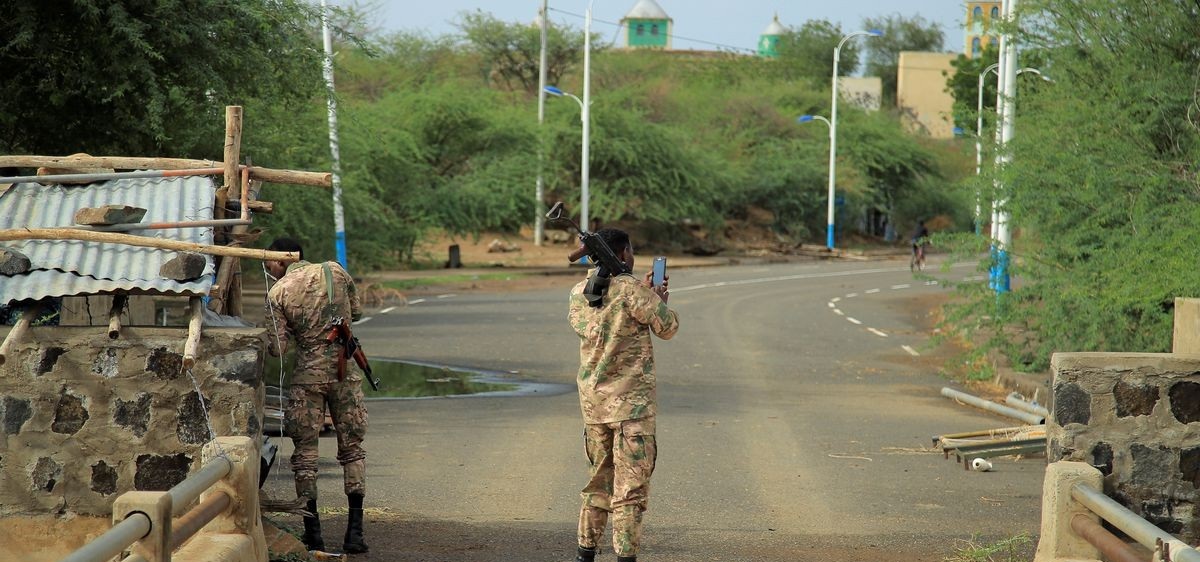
(302, 305)
(617, 395)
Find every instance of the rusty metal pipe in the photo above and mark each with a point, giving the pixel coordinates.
(190, 523)
(1113, 548)
(60, 178)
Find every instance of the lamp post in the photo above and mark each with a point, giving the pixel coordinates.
(583, 167)
(979, 133)
(539, 219)
(339, 221)
(837, 57)
(1008, 71)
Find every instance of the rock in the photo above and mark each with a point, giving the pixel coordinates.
(109, 215)
(185, 266)
(13, 262)
(500, 246)
(558, 236)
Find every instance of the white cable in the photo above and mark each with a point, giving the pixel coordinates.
(278, 347)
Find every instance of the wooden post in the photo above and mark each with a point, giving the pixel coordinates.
(223, 297)
(18, 331)
(114, 315)
(233, 149)
(195, 324)
(145, 242)
(233, 306)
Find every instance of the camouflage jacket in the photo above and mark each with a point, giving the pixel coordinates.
(616, 358)
(299, 309)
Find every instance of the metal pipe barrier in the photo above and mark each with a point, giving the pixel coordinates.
(1142, 531)
(168, 511)
(1019, 402)
(1113, 548)
(993, 407)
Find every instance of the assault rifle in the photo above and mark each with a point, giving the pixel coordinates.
(591, 245)
(339, 332)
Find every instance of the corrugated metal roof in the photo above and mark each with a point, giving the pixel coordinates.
(69, 267)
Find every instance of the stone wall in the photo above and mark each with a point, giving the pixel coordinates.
(84, 418)
(1136, 417)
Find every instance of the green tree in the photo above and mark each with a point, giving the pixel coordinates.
(147, 78)
(900, 33)
(807, 52)
(1102, 189)
(512, 51)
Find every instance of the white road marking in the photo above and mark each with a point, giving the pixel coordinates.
(362, 320)
(446, 296)
(799, 276)
(831, 305)
(853, 320)
(902, 286)
(931, 282)
(387, 310)
(877, 332)
(835, 299)
(839, 312)
(871, 291)
(911, 351)
(416, 301)
(851, 295)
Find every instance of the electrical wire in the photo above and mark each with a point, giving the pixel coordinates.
(278, 346)
(671, 35)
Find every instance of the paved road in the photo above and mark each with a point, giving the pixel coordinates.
(792, 426)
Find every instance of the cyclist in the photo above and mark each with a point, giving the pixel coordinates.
(919, 240)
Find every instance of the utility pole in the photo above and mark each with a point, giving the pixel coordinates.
(539, 220)
(339, 221)
(1009, 84)
(587, 117)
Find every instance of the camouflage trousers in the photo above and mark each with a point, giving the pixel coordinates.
(622, 455)
(306, 416)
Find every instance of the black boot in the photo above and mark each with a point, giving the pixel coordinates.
(585, 555)
(627, 559)
(354, 543)
(312, 529)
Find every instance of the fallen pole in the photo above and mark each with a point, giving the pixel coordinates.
(318, 179)
(1017, 401)
(144, 241)
(998, 432)
(993, 407)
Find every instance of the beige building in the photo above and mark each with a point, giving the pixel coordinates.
(921, 92)
(865, 92)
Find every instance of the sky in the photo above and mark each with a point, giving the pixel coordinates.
(734, 23)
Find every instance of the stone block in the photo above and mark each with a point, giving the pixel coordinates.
(13, 262)
(1102, 458)
(164, 363)
(160, 472)
(105, 363)
(1185, 401)
(109, 215)
(14, 412)
(45, 475)
(49, 359)
(193, 423)
(104, 479)
(69, 415)
(133, 415)
(185, 266)
(1134, 399)
(1072, 404)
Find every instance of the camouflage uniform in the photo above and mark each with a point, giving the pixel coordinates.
(300, 309)
(617, 395)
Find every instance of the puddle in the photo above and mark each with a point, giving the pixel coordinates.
(413, 379)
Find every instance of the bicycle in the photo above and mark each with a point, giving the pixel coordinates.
(917, 261)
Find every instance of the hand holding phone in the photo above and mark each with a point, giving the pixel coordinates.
(659, 271)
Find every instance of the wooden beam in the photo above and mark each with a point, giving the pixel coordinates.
(143, 241)
(114, 315)
(195, 325)
(18, 331)
(233, 149)
(222, 300)
(318, 179)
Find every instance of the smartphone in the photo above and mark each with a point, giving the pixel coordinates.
(660, 271)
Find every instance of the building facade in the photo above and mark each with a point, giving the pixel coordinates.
(768, 41)
(921, 94)
(647, 26)
(979, 32)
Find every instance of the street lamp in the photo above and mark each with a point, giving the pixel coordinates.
(837, 57)
(584, 160)
(979, 131)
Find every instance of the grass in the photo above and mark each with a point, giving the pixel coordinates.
(1012, 549)
(406, 284)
